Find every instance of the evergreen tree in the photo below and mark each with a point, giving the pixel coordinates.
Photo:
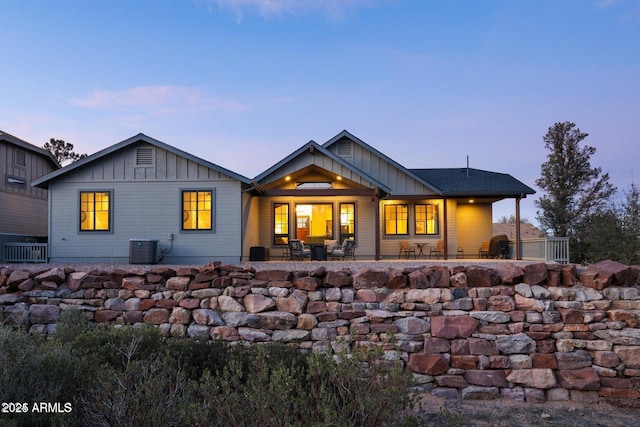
(573, 188)
(62, 151)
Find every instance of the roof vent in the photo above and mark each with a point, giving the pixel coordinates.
(144, 156)
(21, 158)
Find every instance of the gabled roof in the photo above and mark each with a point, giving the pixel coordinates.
(349, 135)
(44, 181)
(29, 147)
(312, 145)
(464, 182)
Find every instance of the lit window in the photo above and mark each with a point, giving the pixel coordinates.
(281, 223)
(314, 221)
(347, 221)
(426, 219)
(396, 218)
(197, 213)
(95, 211)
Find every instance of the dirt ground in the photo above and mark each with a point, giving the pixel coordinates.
(508, 413)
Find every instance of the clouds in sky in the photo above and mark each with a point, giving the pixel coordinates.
(334, 9)
(167, 99)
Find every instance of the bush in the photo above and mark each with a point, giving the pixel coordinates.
(135, 377)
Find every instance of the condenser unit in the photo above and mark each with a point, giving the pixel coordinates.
(143, 251)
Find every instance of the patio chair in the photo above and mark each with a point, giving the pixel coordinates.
(346, 250)
(331, 245)
(438, 249)
(483, 252)
(406, 249)
(297, 250)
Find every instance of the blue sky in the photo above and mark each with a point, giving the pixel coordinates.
(243, 83)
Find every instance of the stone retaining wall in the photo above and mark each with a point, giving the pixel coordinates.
(533, 333)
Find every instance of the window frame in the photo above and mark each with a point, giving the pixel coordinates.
(197, 230)
(342, 235)
(398, 220)
(331, 204)
(80, 211)
(283, 236)
(418, 217)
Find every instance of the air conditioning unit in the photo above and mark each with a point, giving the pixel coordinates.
(143, 251)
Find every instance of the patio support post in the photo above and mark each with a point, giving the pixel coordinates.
(445, 234)
(376, 215)
(518, 238)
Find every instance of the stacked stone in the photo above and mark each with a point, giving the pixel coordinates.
(535, 333)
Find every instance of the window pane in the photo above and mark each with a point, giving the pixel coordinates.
(315, 221)
(94, 211)
(197, 211)
(396, 219)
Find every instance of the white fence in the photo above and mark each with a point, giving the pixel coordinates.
(25, 252)
(545, 249)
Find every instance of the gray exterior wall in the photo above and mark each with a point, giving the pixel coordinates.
(23, 208)
(146, 204)
(379, 168)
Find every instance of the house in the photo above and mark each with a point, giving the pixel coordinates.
(144, 199)
(345, 188)
(23, 208)
(142, 190)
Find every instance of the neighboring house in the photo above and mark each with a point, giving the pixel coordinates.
(142, 191)
(23, 208)
(346, 188)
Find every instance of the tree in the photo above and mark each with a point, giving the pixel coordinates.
(573, 188)
(511, 219)
(62, 151)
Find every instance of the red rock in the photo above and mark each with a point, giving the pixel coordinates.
(134, 316)
(306, 283)
(369, 279)
(479, 346)
(454, 381)
(436, 345)
(482, 277)
(510, 274)
(617, 393)
(544, 361)
(465, 362)
(166, 303)
(190, 303)
(501, 303)
(274, 275)
(453, 326)
(613, 273)
(430, 364)
(585, 379)
(156, 316)
(535, 274)
(102, 316)
(337, 279)
(488, 378)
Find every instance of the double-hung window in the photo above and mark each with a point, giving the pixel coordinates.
(197, 210)
(280, 223)
(396, 219)
(95, 211)
(426, 219)
(347, 221)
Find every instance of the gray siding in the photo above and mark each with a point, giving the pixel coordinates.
(23, 208)
(146, 204)
(382, 170)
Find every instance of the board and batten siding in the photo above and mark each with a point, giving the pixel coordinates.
(251, 219)
(146, 206)
(381, 169)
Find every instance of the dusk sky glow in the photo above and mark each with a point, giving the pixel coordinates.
(244, 83)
